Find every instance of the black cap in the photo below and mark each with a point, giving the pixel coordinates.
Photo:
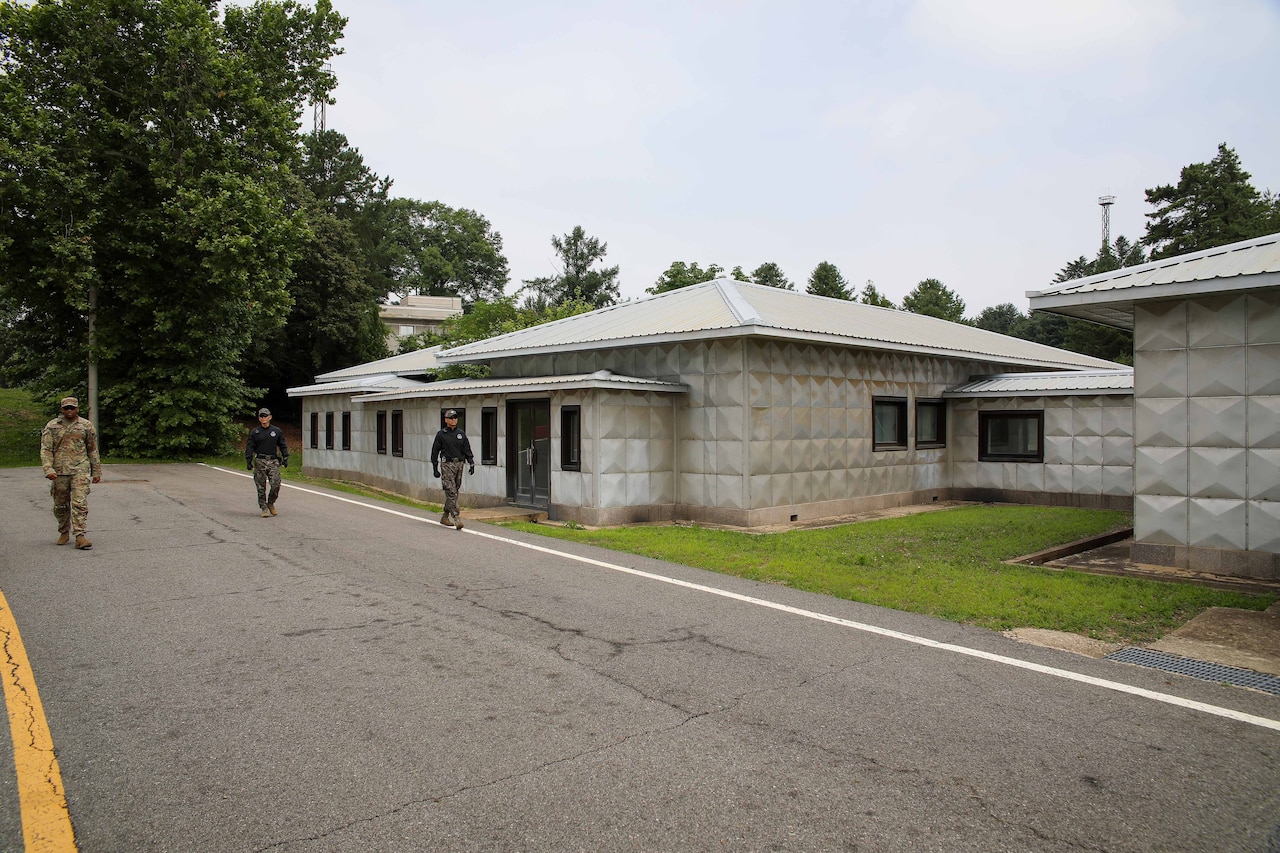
(264, 413)
(451, 413)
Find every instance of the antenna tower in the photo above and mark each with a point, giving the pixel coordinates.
(1106, 201)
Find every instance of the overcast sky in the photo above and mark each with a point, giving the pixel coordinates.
(963, 140)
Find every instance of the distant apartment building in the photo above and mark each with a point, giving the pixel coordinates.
(417, 314)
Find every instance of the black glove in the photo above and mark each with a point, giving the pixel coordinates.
(472, 469)
(248, 464)
(435, 471)
(286, 462)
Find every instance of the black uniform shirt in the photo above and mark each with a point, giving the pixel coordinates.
(451, 445)
(263, 441)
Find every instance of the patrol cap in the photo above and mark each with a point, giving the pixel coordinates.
(264, 413)
(69, 401)
(451, 413)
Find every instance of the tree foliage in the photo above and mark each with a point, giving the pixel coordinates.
(577, 280)
(432, 249)
(145, 161)
(770, 274)
(1212, 204)
(826, 280)
(871, 296)
(934, 299)
(680, 274)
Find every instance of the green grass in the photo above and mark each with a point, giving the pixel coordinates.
(946, 564)
(20, 425)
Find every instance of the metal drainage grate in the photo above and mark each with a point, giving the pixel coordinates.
(1198, 669)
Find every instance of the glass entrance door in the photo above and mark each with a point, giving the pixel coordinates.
(529, 452)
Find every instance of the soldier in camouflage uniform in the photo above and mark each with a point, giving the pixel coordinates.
(69, 455)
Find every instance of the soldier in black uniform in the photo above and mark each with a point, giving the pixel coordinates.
(264, 451)
(448, 452)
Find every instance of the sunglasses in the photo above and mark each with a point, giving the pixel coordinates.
(69, 408)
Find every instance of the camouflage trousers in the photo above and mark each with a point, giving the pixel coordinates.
(266, 473)
(451, 482)
(71, 502)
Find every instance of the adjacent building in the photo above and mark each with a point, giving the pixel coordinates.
(1206, 420)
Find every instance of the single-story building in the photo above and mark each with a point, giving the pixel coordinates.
(1206, 427)
(733, 403)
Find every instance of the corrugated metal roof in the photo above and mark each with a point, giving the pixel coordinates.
(380, 382)
(1058, 383)
(728, 308)
(405, 364)
(1108, 297)
(528, 384)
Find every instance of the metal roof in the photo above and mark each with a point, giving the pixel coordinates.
(362, 384)
(525, 384)
(1058, 383)
(405, 364)
(728, 308)
(1108, 298)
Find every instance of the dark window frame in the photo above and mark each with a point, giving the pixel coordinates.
(381, 421)
(939, 406)
(988, 418)
(571, 438)
(899, 441)
(328, 430)
(397, 432)
(315, 430)
(489, 435)
(346, 430)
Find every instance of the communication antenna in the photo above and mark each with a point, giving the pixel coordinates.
(1106, 201)
(317, 109)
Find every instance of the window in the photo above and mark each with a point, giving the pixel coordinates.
(328, 430)
(1011, 436)
(489, 435)
(397, 433)
(406, 331)
(382, 432)
(931, 423)
(571, 438)
(346, 430)
(315, 429)
(889, 428)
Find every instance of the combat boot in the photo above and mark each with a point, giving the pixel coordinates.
(82, 544)
(444, 519)
(266, 514)
(271, 508)
(457, 521)
(64, 538)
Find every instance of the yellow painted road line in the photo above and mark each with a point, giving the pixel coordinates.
(46, 823)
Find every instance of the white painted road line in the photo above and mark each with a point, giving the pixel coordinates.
(1191, 704)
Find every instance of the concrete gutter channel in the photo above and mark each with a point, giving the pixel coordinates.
(1224, 644)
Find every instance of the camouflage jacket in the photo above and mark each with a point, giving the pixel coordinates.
(69, 448)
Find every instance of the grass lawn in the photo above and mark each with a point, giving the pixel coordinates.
(946, 564)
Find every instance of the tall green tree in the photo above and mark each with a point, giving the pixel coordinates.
(934, 299)
(826, 280)
(578, 279)
(871, 296)
(680, 274)
(145, 163)
(1212, 204)
(434, 250)
(1004, 319)
(770, 274)
(739, 274)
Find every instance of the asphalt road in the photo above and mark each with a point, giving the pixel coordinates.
(342, 678)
